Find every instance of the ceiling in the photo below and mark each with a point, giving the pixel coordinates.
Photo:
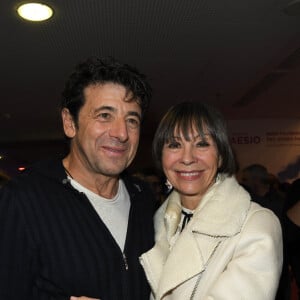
(241, 55)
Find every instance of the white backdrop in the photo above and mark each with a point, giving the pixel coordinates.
(272, 143)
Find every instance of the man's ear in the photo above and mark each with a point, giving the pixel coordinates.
(68, 123)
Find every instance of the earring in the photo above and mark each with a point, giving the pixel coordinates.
(169, 186)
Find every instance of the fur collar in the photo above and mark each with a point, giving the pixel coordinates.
(221, 211)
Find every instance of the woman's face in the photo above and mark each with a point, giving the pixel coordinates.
(190, 166)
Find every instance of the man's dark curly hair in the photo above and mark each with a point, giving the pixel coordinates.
(100, 71)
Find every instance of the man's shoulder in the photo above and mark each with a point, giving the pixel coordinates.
(38, 172)
(135, 184)
(139, 190)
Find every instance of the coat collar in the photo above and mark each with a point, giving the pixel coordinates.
(219, 216)
(221, 211)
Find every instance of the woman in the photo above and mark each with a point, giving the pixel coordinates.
(231, 248)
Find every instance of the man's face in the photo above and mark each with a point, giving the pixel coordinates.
(248, 180)
(106, 137)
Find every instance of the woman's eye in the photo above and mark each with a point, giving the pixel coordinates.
(173, 145)
(203, 144)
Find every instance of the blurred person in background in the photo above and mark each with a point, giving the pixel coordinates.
(264, 189)
(292, 230)
(153, 178)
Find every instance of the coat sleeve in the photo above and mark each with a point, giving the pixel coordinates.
(16, 251)
(255, 267)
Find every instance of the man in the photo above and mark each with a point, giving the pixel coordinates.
(151, 176)
(77, 226)
(257, 180)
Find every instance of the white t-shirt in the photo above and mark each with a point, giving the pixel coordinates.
(113, 212)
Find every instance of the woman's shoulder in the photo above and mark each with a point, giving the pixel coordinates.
(262, 219)
(256, 208)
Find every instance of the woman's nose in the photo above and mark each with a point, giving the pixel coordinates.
(188, 156)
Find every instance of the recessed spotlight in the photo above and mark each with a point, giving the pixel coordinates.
(35, 11)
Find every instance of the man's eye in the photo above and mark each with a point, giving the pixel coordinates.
(134, 123)
(104, 116)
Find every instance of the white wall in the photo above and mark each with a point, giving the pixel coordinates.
(273, 143)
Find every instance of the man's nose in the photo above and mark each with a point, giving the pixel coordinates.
(119, 130)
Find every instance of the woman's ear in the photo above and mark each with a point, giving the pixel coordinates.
(68, 123)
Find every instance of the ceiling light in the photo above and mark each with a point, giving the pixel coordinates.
(35, 11)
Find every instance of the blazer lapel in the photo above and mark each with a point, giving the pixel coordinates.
(188, 258)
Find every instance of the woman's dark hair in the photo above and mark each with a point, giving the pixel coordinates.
(206, 119)
(100, 71)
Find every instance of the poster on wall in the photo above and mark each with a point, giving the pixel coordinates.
(272, 143)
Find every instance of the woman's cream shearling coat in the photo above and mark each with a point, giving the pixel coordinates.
(230, 250)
